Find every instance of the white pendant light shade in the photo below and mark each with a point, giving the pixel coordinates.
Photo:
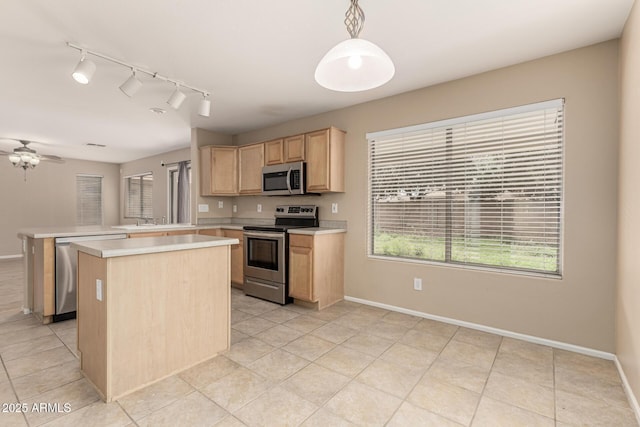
(84, 71)
(14, 159)
(176, 99)
(354, 65)
(131, 86)
(204, 108)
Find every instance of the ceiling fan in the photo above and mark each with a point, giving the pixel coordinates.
(25, 157)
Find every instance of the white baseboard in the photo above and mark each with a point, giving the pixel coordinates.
(530, 338)
(633, 402)
(10, 256)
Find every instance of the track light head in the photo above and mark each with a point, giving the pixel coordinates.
(204, 108)
(84, 70)
(176, 99)
(131, 85)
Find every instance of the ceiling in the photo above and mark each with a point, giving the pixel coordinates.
(256, 57)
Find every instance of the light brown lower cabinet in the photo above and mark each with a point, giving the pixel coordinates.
(316, 269)
(237, 253)
(237, 257)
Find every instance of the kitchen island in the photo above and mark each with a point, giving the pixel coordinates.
(150, 307)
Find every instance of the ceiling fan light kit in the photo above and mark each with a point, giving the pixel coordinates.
(355, 64)
(86, 68)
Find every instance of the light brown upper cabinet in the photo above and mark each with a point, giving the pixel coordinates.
(324, 153)
(251, 161)
(273, 152)
(294, 149)
(218, 171)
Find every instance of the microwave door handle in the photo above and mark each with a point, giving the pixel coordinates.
(289, 180)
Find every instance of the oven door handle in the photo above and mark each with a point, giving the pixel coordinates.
(262, 235)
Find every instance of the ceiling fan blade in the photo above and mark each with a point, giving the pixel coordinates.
(50, 158)
(4, 153)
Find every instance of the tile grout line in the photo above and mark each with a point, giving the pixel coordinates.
(10, 380)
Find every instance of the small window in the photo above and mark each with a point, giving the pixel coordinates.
(138, 196)
(89, 200)
(482, 190)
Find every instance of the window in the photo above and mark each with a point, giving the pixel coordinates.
(138, 191)
(175, 193)
(89, 200)
(482, 190)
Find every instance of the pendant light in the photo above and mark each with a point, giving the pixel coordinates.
(355, 64)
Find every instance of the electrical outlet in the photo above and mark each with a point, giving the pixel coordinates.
(203, 208)
(417, 284)
(334, 208)
(220, 204)
(99, 289)
(259, 207)
(235, 208)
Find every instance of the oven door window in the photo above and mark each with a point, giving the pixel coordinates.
(263, 253)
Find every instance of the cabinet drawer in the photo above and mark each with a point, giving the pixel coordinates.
(304, 241)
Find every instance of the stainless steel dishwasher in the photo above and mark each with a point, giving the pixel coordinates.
(67, 270)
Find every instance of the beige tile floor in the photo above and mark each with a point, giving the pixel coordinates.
(347, 365)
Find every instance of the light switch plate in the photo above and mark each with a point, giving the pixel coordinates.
(220, 204)
(203, 208)
(334, 208)
(235, 208)
(259, 207)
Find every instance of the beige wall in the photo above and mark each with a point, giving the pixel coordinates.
(48, 197)
(628, 295)
(579, 309)
(160, 180)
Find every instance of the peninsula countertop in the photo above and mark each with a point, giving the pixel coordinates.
(150, 245)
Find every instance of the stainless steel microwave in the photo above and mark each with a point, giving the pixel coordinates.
(284, 180)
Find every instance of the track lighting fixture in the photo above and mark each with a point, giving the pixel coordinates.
(204, 108)
(176, 99)
(354, 64)
(131, 85)
(85, 69)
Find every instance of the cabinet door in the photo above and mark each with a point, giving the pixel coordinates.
(317, 153)
(237, 256)
(224, 170)
(250, 170)
(294, 149)
(301, 273)
(181, 232)
(211, 232)
(273, 152)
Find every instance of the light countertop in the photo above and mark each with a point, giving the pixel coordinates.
(76, 231)
(150, 245)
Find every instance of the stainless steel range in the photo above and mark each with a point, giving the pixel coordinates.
(266, 252)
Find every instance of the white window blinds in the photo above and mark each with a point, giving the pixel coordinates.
(89, 200)
(481, 190)
(138, 197)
